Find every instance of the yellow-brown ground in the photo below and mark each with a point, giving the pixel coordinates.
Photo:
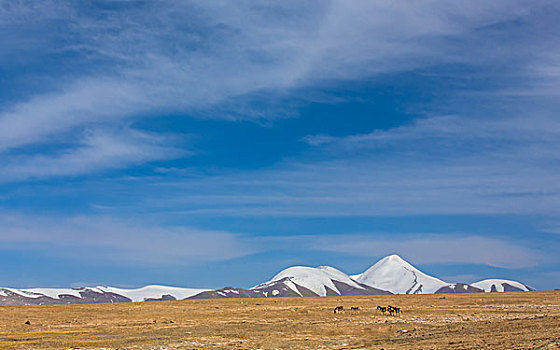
(526, 320)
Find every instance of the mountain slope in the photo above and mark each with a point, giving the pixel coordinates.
(394, 274)
(458, 288)
(499, 285)
(281, 288)
(154, 292)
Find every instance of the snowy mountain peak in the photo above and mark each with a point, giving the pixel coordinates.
(396, 275)
(395, 258)
(393, 261)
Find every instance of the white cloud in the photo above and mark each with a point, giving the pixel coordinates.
(550, 227)
(427, 248)
(108, 241)
(507, 128)
(91, 100)
(118, 242)
(440, 165)
(179, 56)
(99, 150)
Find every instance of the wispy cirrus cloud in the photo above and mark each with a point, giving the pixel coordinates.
(424, 248)
(455, 132)
(143, 58)
(438, 165)
(550, 227)
(97, 151)
(107, 63)
(440, 249)
(119, 242)
(123, 242)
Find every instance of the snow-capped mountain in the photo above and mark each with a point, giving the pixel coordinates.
(394, 274)
(498, 285)
(390, 275)
(100, 294)
(315, 281)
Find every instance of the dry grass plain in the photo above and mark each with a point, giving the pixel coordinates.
(527, 320)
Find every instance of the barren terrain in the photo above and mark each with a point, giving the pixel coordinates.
(522, 320)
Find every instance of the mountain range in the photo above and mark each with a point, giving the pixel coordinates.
(390, 275)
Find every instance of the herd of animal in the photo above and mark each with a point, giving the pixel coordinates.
(392, 310)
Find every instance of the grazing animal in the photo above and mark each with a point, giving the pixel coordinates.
(382, 309)
(27, 323)
(338, 309)
(354, 308)
(393, 310)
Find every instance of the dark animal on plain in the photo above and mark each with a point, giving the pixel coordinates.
(354, 308)
(338, 309)
(382, 309)
(393, 310)
(27, 323)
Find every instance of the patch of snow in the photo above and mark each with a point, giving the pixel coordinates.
(275, 292)
(3, 293)
(221, 293)
(292, 286)
(486, 285)
(394, 274)
(339, 276)
(23, 293)
(54, 292)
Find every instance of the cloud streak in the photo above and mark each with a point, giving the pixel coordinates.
(439, 165)
(108, 241)
(123, 243)
(169, 56)
(440, 249)
(98, 151)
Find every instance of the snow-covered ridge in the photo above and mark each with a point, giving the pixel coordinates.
(500, 285)
(153, 292)
(138, 294)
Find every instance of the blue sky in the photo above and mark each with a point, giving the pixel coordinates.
(210, 143)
